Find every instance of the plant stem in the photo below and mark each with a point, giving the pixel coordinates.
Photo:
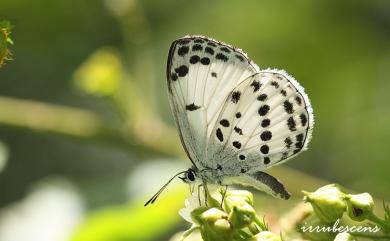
(260, 223)
(385, 226)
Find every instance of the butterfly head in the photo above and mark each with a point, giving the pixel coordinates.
(189, 176)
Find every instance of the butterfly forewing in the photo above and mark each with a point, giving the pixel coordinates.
(265, 120)
(201, 73)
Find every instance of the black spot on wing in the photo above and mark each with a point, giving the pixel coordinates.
(222, 57)
(262, 97)
(278, 77)
(263, 110)
(299, 145)
(183, 41)
(194, 59)
(197, 47)
(291, 124)
(174, 76)
(192, 107)
(266, 160)
(288, 107)
(284, 156)
(199, 41)
(236, 96)
(183, 50)
(265, 123)
(225, 49)
(266, 135)
(219, 135)
(205, 61)
(212, 44)
(213, 74)
(288, 142)
(182, 70)
(209, 50)
(238, 130)
(236, 144)
(264, 149)
(298, 100)
(299, 139)
(283, 92)
(239, 57)
(224, 123)
(303, 118)
(275, 84)
(255, 85)
(238, 115)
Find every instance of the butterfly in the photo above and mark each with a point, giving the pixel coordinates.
(234, 119)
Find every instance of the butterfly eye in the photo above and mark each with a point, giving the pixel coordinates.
(190, 175)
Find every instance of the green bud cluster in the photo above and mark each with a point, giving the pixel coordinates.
(328, 202)
(235, 220)
(331, 202)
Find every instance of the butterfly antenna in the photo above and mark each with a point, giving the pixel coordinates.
(155, 196)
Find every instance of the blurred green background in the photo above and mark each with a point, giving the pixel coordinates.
(86, 133)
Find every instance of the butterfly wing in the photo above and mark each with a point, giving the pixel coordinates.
(266, 120)
(261, 181)
(201, 72)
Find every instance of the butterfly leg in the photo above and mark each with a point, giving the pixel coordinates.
(199, 186)
(223, 195)
(192, 188)
(206, 192)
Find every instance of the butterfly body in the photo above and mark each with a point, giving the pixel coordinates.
(235, 119)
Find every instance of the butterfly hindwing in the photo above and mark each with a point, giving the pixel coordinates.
(266, 120)
(260, 181)
(201, 72)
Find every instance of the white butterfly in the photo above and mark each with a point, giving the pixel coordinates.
(234, 119)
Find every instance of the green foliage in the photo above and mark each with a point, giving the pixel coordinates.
(101, 74)
(132, 222)
(238, 220)
(5, 41)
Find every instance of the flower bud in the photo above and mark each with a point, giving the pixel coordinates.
(237, 198)
(327, 202)
(360, 206)
(242, 215)
(222, 224)
(266, 236)
(344, 237)
(214, 224)
(208, 215)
